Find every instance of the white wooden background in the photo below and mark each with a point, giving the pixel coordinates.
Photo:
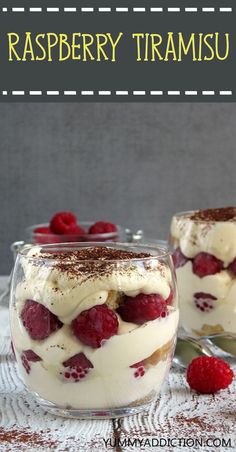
(176, 413)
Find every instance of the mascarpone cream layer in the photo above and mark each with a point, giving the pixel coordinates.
(113, 390)
(68, 295)
(135, 344)
(217, 238)
(111, 382)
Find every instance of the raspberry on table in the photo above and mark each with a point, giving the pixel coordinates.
(204, 301)
(95, 325)
(29, 356)
(38, 321)
(63, 223)
(101, 227)
(205, 264)
(208, 374)
(77, 367)
(142, 308)
(179, 259)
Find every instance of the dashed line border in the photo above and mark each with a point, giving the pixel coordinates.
(117, 93)
(223, 9)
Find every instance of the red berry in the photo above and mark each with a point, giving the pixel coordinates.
(75, 233)
(42, 230)
(38, 320)
(137, 365)
(205, 264)
(95, 325)
(232, 267)
(44, 235)
(63, 223)
(29, 356)
(142, 308)
(179, 259)
(77, 366)
(203, 301)
(207, 374)
(102, 227)
(140, 369)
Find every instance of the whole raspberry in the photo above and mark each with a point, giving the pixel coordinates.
(204, 301)
(102, 227)
(38, 320)
(95, 325)
(232, 267)
(178, 258)
(142, 308)
(63, 223)
(207, 374)
(205, 264)
(77, 366)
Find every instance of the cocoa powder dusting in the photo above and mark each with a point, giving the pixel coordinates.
(213, 215)
(21, 437)
(92, 261)
(94, 254)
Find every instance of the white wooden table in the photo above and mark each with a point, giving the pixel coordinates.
(183, 418)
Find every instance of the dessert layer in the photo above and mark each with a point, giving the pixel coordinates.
(193, 235)
(221, 286)
(111, 381)
(124, 349)
(96, 392)
(68, 287)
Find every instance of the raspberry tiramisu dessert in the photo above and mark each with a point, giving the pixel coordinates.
(94, 326)
(205, 262)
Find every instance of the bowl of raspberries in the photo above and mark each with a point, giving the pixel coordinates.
(64, 227)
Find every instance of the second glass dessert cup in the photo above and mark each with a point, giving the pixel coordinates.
(204, 243)
(93, 326)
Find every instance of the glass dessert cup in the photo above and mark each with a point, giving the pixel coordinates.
(93, 326)
(204, 256)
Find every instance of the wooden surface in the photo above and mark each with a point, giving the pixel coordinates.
(177, 413)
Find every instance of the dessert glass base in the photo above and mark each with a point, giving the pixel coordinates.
(95, 413)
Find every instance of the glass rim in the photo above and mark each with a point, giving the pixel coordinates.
(161, 251)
